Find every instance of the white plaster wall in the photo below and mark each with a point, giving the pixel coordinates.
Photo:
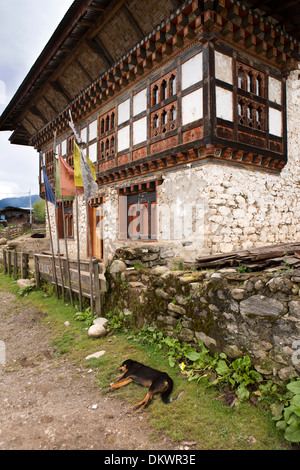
(217, 207)
(242, 207)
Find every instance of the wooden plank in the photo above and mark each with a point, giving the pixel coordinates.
(15, 257)
(37, 272)
(257, 257)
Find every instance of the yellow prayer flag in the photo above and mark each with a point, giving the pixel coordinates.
(77, 166)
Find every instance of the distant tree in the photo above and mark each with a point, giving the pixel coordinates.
(39, 211)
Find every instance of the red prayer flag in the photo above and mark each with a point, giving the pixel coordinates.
(66, 176)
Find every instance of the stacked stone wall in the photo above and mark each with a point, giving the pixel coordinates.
(255, 314)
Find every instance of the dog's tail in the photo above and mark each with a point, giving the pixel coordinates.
(166, 394)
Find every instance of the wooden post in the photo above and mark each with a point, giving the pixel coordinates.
(56, 221)
(15, 256)
(25, 262)
(97, 289)
(9, 262)
(67, 254)
(52, 250)
(51, 244)
(91, 256)
(37, 272)
(78, 252)
(5, 261)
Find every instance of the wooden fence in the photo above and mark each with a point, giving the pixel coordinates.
(78, 284)
(15, 264)
(13, 232)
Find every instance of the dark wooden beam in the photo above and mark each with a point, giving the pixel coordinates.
(96, 46)
(57, 86)
(133, 23)
(83, 69)
(36, 112)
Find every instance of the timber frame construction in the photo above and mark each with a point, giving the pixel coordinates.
(260, 43)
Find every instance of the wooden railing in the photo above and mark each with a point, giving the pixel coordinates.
(66, 276)
(15, 264)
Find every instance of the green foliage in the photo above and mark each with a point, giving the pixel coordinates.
(85, 317)
(238, 375)
(116, 320)
(287, 414)
(39, 211)
(198, 365)
(23, 292)
(243, 269)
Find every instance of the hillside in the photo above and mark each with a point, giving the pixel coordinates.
(18, 201)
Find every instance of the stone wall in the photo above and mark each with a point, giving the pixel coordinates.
(72, 242)
(255, 314)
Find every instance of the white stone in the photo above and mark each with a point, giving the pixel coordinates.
(95, 355)
(117, 267)
(96, 331)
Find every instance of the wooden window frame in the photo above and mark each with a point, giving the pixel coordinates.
(127, 221)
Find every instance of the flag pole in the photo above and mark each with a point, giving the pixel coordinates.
(78, 252)
(56, 221)
(67, 253)
(76, 137)
(79, 142)
(91, 255)
(51, 240)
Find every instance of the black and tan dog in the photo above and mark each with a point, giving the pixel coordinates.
(158, 382)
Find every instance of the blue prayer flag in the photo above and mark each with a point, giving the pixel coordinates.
(49, 193)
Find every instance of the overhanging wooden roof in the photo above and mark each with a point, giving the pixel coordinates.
(95, 35)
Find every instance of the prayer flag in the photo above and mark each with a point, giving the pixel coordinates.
(49, 193)
(90, 187)
(78, 157)
(84, 173)
(77, 165)
(65, 180)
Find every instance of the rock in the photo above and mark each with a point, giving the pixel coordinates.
(260, 305)
(184, 280)
(95, 355)
(280, 284)
(207, 340)
(176, 308)
(294, 308)
(127, 312)
(285, 374)
(22, 283)
(3, 241)
(97, 330)
(117, 267)
(159, 270)
(186, 335)
(232, 351)
(100, 321)
(161, 293)
(237, 294)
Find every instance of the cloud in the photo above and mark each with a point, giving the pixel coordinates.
(35, 22)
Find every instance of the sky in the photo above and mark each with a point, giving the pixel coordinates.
(25, 28)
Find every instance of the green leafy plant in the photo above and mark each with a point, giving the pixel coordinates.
(85, 316)
(287, 414)
(116, 320)
(25, 291)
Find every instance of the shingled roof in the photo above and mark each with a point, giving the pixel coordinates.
(92, 37)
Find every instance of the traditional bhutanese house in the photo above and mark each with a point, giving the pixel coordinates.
(190, 112)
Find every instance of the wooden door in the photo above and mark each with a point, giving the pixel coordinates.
(97, 232)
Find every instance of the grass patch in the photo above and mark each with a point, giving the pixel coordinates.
(196, 416)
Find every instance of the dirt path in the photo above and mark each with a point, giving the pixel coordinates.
(48, 403)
